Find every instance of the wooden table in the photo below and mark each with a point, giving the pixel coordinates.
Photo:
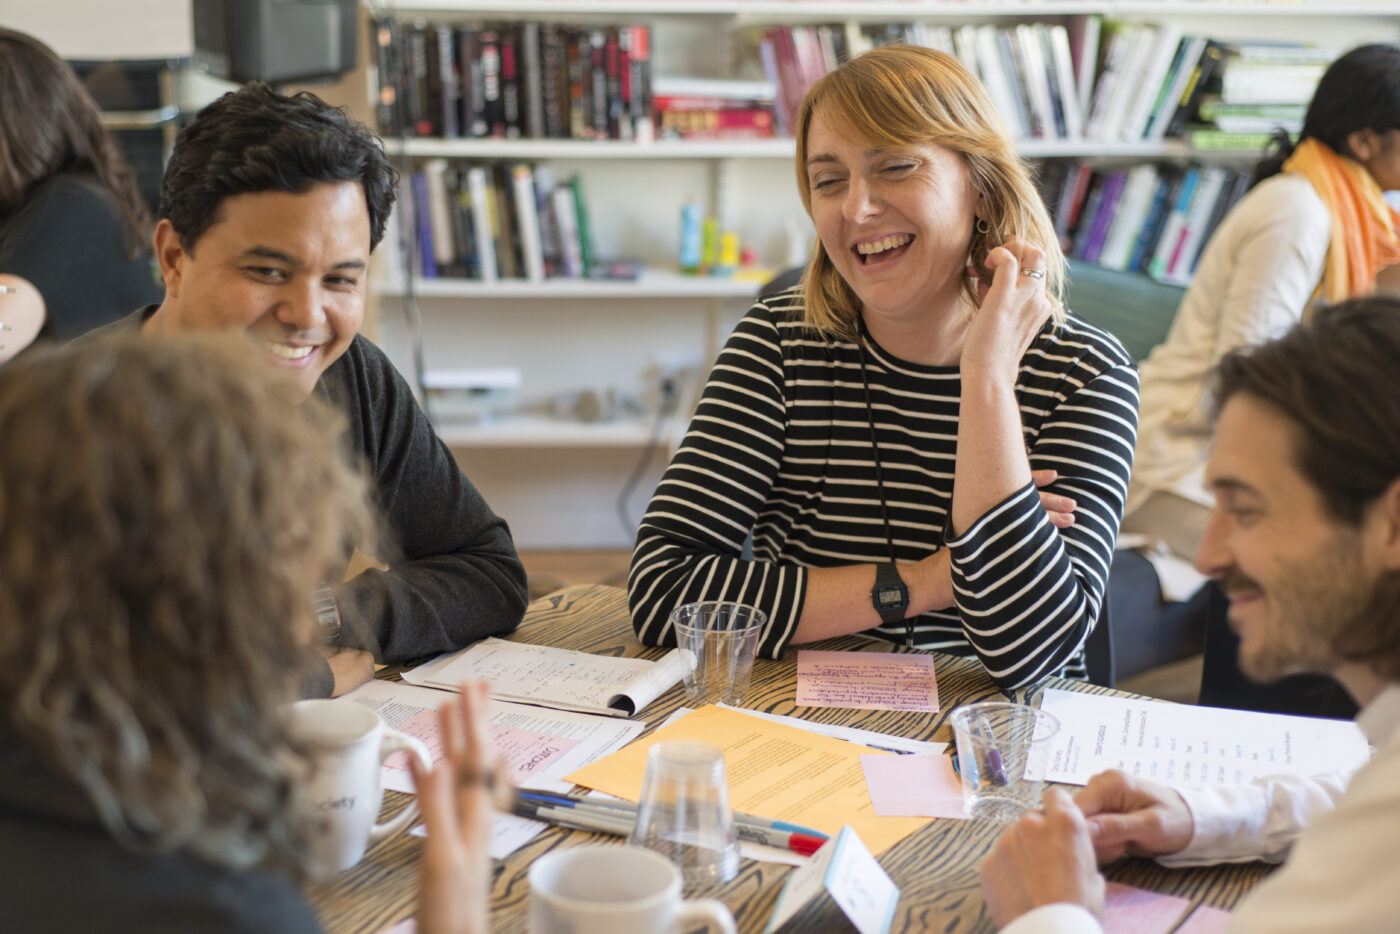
(935, 868)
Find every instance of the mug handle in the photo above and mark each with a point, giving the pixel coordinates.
(391, 742)
(712, 913)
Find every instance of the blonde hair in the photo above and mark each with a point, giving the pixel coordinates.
(168, 508)
(898, 95)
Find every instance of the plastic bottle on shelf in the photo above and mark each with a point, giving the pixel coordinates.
(689, 256)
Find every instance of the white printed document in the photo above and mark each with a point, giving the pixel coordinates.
(1184, 745)
(553, 677)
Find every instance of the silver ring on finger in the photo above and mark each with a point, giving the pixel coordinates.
(1034, 273)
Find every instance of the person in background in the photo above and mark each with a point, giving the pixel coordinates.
(1315, 225)
(270, 207)
(1305, 541)
(880, 430)
(75, 236)
(168, 509)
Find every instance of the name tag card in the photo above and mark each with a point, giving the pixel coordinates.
(851, 876)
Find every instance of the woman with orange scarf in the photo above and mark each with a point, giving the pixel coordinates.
(1314, 227)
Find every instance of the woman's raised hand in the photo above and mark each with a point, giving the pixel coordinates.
(1013, 309)
(457, 797)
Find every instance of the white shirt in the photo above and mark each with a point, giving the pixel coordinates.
(1341, 873)
(1257, 274)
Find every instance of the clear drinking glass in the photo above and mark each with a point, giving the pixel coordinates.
(1001, 757)
(684, 812)
(717, 641)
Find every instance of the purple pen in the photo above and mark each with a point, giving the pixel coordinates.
(996, 770)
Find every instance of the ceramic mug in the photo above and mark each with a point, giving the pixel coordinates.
(616, 889)
(346, 744)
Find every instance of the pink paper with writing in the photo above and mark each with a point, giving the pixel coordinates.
(1129, 910)
(866, 680)
(1205, 920)
(525, 753)
(919, 785)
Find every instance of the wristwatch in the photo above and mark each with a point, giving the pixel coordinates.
(327, 615)
(890, 596)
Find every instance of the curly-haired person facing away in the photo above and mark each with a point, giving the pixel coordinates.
(168, 510)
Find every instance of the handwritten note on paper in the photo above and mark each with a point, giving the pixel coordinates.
(866, 680)
(914, 786)
(1205, 920)
(1128, 910)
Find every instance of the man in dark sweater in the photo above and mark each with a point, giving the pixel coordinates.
(269, 210)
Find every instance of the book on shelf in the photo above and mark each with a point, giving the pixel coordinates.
(1208, 190)
(482, 226)
(1149, 89)
(522, 179)
(1208, 137)
(1188, 54)
(1083, 35)
(1128, 216)
(501, 221)
(1152, 221)
(1251, 118)
(1204, 74)
(1169, 237)
(530, 79)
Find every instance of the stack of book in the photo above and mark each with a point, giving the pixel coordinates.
(512, 80)
(1148, 218)
(498, 221)
(1263, 86)
(706, 108)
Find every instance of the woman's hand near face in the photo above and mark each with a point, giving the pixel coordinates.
(1014, 308)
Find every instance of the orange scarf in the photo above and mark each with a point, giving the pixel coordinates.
(1365, 229)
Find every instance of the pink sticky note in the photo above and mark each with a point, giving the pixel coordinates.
(1129, 910)
(1205, 920)
(866, 680)
(920, 785)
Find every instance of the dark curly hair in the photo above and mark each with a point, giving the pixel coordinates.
(168, 508)
(255, 139)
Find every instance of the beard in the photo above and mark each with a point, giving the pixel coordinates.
(1310, 603)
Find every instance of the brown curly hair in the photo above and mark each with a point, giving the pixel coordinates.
(895, 95)
(168, 508)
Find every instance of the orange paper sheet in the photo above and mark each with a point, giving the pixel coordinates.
(775, 771)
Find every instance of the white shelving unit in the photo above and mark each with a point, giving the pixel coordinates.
(556, 480)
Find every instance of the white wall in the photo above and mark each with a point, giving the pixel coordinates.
(105, 29)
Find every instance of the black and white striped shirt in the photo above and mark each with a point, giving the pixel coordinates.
(780, 445)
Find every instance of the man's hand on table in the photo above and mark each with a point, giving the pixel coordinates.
(1044, 858)
(351, 667)
(1133, 817)
(457, 797)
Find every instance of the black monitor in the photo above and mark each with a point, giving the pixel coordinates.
(276, 41)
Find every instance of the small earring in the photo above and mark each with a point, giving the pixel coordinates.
(982, 226)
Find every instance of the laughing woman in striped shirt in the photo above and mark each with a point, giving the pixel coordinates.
(920, 443)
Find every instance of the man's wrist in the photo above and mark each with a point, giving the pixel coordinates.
(327, 615)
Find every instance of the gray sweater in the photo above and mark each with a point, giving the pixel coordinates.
(454, 577)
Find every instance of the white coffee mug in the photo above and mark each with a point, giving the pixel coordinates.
(623, 889)
(347, 743)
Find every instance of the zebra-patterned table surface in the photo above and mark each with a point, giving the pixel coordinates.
(935, 868)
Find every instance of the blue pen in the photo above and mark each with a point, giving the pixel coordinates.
(996, 770)
(627, 807)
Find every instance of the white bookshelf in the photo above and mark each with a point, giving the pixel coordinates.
(650, 284)
(555, 480)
